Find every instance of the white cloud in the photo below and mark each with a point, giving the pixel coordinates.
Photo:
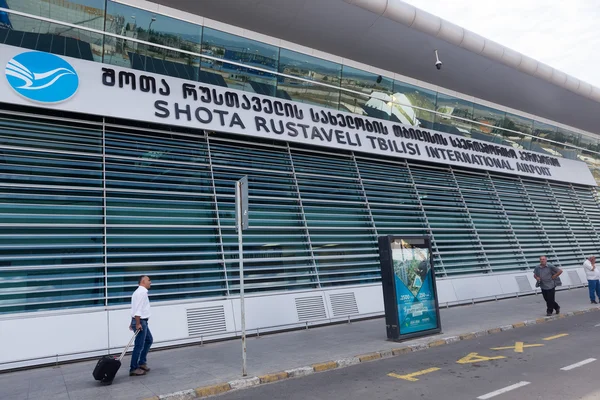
(562, 34)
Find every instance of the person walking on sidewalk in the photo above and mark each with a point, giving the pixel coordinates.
(593, 277)
(545, 274)
(140, 313)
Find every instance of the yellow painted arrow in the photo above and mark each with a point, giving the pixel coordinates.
(474, 357)
(411, 377)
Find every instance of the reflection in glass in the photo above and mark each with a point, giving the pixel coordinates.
(377, 93)
(589, 142)
(241, 50)
(143, 25)
(570, 138)
(449, 107)
(489, 120)
(516, 123)
(377, 96)
(549, 135)
(311, 68)
(593, 162)
(88, 13)
(543, 130)
(33, 34)
(406, 97)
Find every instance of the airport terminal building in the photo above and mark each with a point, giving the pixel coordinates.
(124, 125)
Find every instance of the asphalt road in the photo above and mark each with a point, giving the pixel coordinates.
(530, 368)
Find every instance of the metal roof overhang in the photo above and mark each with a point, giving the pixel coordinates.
(400, 38)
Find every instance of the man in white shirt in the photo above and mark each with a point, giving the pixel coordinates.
(593, 278)
(140, 313)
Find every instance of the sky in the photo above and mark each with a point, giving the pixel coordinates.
(564, 34)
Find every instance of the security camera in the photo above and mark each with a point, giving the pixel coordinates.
(438, 63)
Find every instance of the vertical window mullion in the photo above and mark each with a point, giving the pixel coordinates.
(218, 217)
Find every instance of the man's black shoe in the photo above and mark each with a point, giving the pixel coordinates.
(594, 302)
(558, 311)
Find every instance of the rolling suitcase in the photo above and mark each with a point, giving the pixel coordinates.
(108, 366)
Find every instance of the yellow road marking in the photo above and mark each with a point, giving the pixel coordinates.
(474, 357)
(518, 347)
(411, 377)
(556, 336)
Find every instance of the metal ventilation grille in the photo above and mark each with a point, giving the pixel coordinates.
(575, 280)
(310, 308)
(205, 321)
(523, 283)
(343, 304)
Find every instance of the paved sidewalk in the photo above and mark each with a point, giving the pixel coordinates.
(217, 363)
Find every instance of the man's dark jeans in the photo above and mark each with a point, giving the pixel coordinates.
(594, 288)
(143, 341)
(551, 304)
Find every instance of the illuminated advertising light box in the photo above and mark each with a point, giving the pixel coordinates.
(409, 288)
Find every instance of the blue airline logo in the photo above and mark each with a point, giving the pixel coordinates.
(42, 77)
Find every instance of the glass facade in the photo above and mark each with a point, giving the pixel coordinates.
(374, 97)
(257, 67)
(454, 115)
(250, 53)
(88, 204)
(415, 102)
(141, 25)
(488, 125)
(30, 33)
(310, 69)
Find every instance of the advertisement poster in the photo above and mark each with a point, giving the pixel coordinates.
(414, 287)
(409, 287)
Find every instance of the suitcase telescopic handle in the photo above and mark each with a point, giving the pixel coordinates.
(128, 345)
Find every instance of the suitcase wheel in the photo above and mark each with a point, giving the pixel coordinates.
(106, 382)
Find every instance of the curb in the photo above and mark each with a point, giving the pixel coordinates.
(212, 390)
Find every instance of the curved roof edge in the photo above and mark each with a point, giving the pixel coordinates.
(411, 16)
